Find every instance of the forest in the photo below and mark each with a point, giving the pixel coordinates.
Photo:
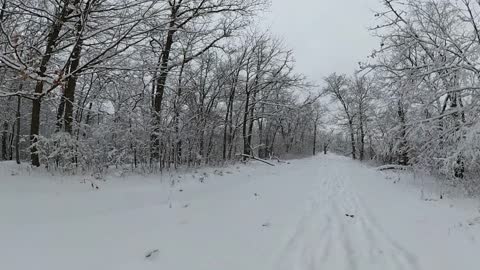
(239, 134)
(154, 85)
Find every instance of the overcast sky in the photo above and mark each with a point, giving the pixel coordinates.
(326, 35)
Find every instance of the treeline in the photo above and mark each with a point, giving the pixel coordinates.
(152, 84)
(415, 101)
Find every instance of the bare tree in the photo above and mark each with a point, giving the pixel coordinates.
(338, 88)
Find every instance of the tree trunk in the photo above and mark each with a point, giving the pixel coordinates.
(60, 113)
(459, 169)
(17, 133)
(71, 86)
(11, 139)
(226, 134)
(352, 139)
(251, 122)
(35, 125)
(176, 108)
(246, 146)
(227, 130)
(403, 153)
(362, 137)
(160, 86)
(4, 140)
(36, 103)
(261, 147)
(246, 111)
(315, 137)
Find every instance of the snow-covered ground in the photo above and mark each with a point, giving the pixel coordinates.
(325, 212)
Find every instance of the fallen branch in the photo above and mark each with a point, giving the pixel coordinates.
(393, 167)
(255, 158)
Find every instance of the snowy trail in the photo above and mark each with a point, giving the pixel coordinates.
(289, 217)
(326, 238)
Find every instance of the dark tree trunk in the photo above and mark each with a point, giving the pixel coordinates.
(362, 135)
(17, 133)
(226, 134)
(246, 111)
(36, 103)
(459, 169)
(176, 108)
(403, 153)
(251, 122)
(35, 125)
(4, 140)
(160, 86)
(352, 139)
(71, 86)
(315, 138)
(227, 129)
(246, 146)
(362, 144)
(60, 113)
(11, 140)
(261, 148)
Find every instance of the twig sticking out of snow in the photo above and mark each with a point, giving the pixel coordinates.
(151, 253)
(279, 160)
(92, 184)
(474, 221)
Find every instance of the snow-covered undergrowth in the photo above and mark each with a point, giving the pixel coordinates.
(325, 212)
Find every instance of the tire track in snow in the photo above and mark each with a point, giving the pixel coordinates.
(301, 250)
(409, 259)
(376, 248)
(326, 239)
(378, 239)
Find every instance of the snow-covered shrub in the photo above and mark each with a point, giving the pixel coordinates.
(62, 152)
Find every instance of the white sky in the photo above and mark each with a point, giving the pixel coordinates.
(326, 35)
